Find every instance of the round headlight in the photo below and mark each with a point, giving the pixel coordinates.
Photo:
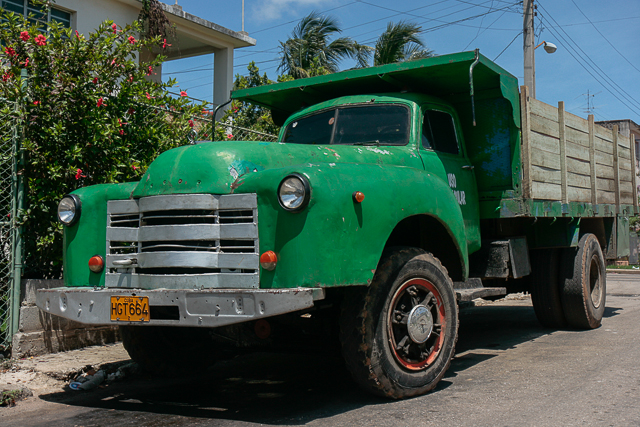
(69, 209)
(294, 192)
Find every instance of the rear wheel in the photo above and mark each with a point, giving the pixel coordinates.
(399, 334)
(545, 288)
(584, 283)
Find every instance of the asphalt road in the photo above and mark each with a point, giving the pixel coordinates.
(508, 371)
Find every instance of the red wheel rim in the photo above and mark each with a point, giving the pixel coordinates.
(416, 295)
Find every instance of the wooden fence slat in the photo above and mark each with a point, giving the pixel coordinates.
(592, 160)
(543, 190)
(576, 151)
(526, 150)
(545, 159)
(544, 142)
(582, 195)
(563, 152)
(577, 180)
(544, 126)
(616, 158)
(603, 133)
(578, 123)
(575, 136)
(578, 166)
(541, 109)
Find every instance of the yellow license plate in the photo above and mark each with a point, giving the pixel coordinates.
(129, 309)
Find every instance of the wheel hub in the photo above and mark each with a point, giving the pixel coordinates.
(420, 324)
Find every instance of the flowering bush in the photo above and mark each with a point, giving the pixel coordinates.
(91, 113)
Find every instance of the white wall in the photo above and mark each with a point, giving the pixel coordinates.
(88, 15)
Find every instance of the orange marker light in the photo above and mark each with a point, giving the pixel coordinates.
(358, 196)
(268, 260)
(96, 263)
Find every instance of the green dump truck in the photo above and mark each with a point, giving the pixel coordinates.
(393, 193)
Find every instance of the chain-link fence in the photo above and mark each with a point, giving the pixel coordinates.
(10, 119)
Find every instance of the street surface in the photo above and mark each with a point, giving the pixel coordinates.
(508, 371)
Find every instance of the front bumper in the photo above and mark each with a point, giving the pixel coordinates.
(204, 308)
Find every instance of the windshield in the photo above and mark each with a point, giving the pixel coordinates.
(382, 124)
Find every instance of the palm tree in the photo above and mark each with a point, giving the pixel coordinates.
(400, 42)
(308, 51)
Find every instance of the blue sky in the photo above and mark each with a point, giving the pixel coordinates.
(597, 64)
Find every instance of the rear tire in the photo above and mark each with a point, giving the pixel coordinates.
(399, 334)
(584, 283)
(545, 288)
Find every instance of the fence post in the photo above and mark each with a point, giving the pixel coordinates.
(17, 210)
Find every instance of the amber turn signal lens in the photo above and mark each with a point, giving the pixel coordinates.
(96, 264)
(268, 260)
(358, 196)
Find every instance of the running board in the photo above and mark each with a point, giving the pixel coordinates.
(463, 295)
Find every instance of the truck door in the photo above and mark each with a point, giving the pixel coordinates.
(443, 153)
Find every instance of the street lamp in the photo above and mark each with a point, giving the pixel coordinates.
(548, 47)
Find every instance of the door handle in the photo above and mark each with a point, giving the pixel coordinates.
(470, 167)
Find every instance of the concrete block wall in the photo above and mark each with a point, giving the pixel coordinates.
(41, 333)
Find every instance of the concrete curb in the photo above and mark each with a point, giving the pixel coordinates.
(622, 271)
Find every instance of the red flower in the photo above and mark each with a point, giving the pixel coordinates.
(77, 34)
(100, 102)
(183, 93)
(26, 62)
(150, 71)
(95, 80)
(41, 40)
(148, 96)
(9, 51)
(24, 36)
(134, 167)
(115, 27)
(79, 174)
(130, 78)
(113, 61)
(131, 39)
(229, 136)
(36, 102)
(191, 123)
(164, 44)
(6, 76)
(121, 132)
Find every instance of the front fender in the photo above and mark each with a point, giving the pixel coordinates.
(336, 241)
(87, 237)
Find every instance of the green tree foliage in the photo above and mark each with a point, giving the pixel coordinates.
(400, 42)
(92, 115)
(247, 115)
(310, 51)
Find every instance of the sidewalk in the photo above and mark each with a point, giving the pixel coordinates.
(623, 271)
(52, 372)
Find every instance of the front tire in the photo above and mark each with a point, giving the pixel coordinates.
(399, 334)
(168, 350)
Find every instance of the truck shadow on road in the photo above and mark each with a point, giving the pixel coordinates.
(288, 388)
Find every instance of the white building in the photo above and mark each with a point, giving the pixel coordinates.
(194, 36)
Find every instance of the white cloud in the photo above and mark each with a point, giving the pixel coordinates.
(269, 10)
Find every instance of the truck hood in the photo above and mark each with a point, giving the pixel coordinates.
(213, 167)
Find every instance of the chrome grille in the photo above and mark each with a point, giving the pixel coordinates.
(186, 240)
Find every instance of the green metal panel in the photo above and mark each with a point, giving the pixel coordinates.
(622, 240)
(87, 237)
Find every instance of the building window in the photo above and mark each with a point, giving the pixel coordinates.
(39, 14)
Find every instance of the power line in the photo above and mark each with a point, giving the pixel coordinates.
(610, 44)
(591, 64)
(510, 43)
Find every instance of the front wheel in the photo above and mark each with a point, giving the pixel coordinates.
(399, 334)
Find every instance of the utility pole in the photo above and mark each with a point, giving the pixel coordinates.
(529, 47)
(243, 16)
